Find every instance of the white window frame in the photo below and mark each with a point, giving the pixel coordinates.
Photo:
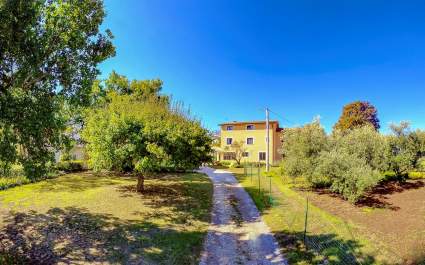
(253, 127)
(265, 157)
(246, 141)
(227, 141)
(229, 128)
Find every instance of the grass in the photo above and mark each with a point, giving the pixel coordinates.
(329, 238)
(99, 218)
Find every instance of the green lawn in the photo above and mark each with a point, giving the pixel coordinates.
(93, 218)
(336, 240)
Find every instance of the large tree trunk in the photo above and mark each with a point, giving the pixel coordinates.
(141, 183)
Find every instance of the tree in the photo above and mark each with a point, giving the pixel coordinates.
(144, 135)
(238, 148)
(347, 174)
(365, 143)
(49, 52)
(354, 161)
(357, 114)
(300, 149)
(407, 147)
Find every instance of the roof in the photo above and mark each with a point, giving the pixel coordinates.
(245, 122)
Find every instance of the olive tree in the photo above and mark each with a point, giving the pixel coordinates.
(354, 161)
(407, 147)
(301, 147)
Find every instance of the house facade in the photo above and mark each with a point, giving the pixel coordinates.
(251, 136)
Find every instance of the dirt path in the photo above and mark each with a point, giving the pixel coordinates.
(237, 234)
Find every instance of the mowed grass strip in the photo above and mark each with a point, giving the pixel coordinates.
(331, 239)
(99, 218)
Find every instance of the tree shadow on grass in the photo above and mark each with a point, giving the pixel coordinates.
(321, 249)
(187, 196)
(75, 235)
(78, 182)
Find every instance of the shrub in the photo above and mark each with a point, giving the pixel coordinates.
(235, 164)
(70, 166)
(421, 164)
(416, 175)
(9, 182)
(346, 174)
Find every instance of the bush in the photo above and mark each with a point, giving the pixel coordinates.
(346, 174)
(224, 163)
(421, 164)
(9, 182)
(70, 166)
(416, 175)
(234, 164)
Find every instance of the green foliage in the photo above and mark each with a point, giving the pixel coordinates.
(348, 162)
(301, 148)
(416, 175)
(421, 164)
(235, 164)
(49, 52)
(346, 173)
(14, 177)
(364, 143)
(407, 147)
(8, 151)
(9, 182)
(70, 166)
(357, 114)
(144, 134)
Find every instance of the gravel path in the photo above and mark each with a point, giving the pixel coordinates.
(237, 234)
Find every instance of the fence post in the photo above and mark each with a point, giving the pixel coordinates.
(259, 179)
(270, 186)
(305, 224)
(250, 165)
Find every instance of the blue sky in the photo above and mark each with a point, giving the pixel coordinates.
(228, 60)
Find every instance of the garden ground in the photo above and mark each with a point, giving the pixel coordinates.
(98, 218)
(386, 228)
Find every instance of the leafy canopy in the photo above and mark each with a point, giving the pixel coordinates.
(407, 147)
(49, 52)
(357, 114)
(128, 132)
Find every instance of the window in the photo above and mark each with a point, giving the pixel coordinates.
(250, 127)
(262, 156)
(229, 128)
(250, 140)
(245, 154)
(229, 141)
(229, 156)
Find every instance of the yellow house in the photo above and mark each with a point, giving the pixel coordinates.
(252, 137)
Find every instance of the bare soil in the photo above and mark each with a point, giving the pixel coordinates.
(392, 213)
